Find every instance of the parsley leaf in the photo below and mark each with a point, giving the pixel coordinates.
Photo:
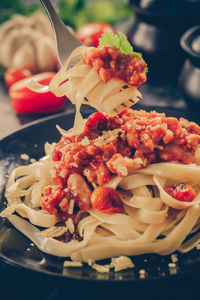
(125, 46)
(119, 40)
(109, 39)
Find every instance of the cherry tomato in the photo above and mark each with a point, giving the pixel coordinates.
(106, 200)
(95, 123)
(26, 101)
(13, 75)
(90, 33)
(181, 192)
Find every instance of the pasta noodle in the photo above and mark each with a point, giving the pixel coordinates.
(139, 230)
(81, 84)
(135, 159)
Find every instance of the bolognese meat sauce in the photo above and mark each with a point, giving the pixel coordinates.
(116, 145)
(110, 62)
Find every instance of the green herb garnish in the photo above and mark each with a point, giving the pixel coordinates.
(109, 39)
(120, 41)
(125, 46)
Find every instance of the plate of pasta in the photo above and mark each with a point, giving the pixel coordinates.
(110, 195)
(26, 147)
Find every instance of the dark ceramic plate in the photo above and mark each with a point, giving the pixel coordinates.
(17, 250)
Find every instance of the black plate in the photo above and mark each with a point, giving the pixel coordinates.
(17, 250)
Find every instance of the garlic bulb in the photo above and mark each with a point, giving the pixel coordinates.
(28, 42)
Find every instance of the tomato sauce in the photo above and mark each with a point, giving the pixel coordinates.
(116, 145)
(106, 200)
(110, 63)
(181, 192)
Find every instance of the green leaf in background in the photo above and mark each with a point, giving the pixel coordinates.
(9, 8)
(78, 12)
(74, 13)
(69, 9)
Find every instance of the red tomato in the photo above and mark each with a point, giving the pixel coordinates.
(106, 200)
(25, 101)
(95, 123)
(181, 192)
(90, 33)
(13, 75)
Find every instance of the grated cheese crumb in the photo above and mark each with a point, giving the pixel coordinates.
(63, 173)
(198, 246)
(122, 170)
(121, 263)
(85, 141)
(72, 264)
(70, 225)
(24, 156)
(172, 268)
(71, 207)
(73, 164)
(172, 265)
(54, 231)
(108, 137)
(32, 160)
(101, 268)
(174, 258)
(142, 273)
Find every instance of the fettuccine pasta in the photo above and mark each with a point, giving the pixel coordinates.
(84, 82)
(124, 183)
(138, 230)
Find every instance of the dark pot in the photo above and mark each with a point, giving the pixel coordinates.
(156, 32)
(189, 80)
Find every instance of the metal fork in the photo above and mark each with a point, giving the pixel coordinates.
(66, 41)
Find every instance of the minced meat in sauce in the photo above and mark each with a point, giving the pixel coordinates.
(110, 63)
(116, 145)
